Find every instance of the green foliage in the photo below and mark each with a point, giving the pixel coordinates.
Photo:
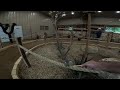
(113, 29)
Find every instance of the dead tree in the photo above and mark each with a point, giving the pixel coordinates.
(55, 16)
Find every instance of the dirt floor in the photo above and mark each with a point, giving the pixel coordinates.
(9, 56)
(46, 70)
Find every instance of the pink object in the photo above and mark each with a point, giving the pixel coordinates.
(113, 67)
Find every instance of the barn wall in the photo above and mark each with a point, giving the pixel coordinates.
(29, 20)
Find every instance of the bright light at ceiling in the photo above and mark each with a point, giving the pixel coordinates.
(72, 13)
(63, 15)
(99, 11)
(11, 12)
(33, 13)
(117, 11)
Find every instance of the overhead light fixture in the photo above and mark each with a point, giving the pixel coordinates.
(33, 13)
(72, 13)
(117, 11)
(63, 15)
(99, 11)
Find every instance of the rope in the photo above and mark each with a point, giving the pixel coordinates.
(74, 67)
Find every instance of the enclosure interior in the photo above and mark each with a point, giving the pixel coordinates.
(69, 37)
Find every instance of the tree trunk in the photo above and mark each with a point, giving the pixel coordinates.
(88, 38)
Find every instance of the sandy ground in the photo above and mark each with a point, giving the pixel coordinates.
(8, 58)
(45, 70)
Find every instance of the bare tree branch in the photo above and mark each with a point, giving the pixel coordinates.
(55, 18)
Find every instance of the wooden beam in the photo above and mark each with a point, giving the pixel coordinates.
(22, 52)
(88, 37)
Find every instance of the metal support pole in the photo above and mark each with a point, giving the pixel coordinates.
(22, 52)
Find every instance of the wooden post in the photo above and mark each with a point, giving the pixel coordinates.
(82, 34)
(22, 52)
(88, 38)
(109, 36)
